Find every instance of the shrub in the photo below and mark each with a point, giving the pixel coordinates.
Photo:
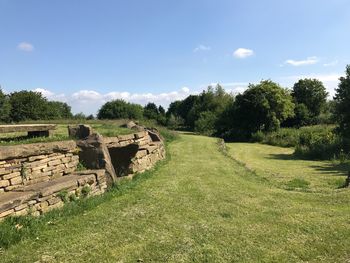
(120, 109)
(322, 146)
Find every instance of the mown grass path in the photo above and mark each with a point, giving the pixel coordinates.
(201, 206)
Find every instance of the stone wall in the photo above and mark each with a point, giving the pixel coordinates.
(42, 197)
(35, 178)
(124, 155)
(35, 163)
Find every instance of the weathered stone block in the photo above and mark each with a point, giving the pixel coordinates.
(11, 175)
(55, 162)
(37, 157)
(54, 200)
(4, 183)
(7, 213)
(34, 149)
(16, 180)
(20, 207)
(38, 168)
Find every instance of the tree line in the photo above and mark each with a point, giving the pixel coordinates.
(29, 105)
(262, 107)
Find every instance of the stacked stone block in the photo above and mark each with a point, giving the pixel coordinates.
(43, 197)
(15, 173)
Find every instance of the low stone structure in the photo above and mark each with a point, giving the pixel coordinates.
(33, 130)
(124, 155)
(42, 197)
(35, 163)
(35, 178)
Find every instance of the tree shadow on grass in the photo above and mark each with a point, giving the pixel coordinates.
(338, 169)
(331, 168)
(282, 156)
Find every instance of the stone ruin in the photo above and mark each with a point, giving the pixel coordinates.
(35, 178)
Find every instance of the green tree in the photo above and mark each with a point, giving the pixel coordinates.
(150, 111)
(205, 124)
(28, 105)
(5, 107)
(261, 107)
(312, 94)
(120, 109)
(58, 110)
(342, 107)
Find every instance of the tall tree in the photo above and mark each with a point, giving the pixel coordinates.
(261, 107)
(150, 111)
(5, 107)
(312, 94)
(28, 105)
(120, 109)
(342, 100)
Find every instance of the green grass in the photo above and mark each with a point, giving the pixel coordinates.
(278, 166)
(199, 206)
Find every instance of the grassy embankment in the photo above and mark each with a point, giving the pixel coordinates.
(201, 206)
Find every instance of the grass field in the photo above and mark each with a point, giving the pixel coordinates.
(281, 168)
(199, 206)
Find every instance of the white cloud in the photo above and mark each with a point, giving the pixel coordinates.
(243, 53)
(46, 93)
(331, 64)
(25, 46)
(297, 63)
(89, 101)
(202, 48)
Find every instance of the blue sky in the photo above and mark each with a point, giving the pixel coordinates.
(88, 52)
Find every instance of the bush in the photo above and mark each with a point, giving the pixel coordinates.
(322, 146)
(206, 123)
(120, 109)
(284, 137)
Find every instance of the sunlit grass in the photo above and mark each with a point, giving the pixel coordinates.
(200, 206)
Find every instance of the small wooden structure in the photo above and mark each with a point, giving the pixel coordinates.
(33, 130)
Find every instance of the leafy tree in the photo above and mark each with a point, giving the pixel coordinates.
(120, 109)
(161, 110)
(90, 117)
(342, 107)
(174, 122)
(79, 116)
(312, 94)
(261, 107)
(58, 110)
(206, 123)
(150, 111)
(213, 100)
(5, 107)
(28, 105)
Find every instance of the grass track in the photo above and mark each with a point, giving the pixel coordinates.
(200, 207)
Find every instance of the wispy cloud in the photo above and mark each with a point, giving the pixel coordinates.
(331, 64)
(243, 53)
(307, 61)
(202, 48)
(25, 46)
